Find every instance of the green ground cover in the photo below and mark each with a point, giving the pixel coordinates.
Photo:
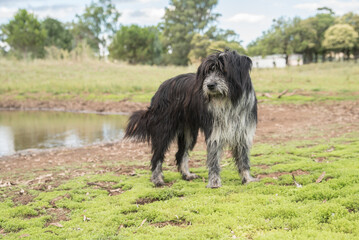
(274, 208)
(99, 81)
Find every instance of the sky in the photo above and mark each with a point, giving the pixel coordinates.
(247, 18)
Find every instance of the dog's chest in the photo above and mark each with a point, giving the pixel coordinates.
(228, 122)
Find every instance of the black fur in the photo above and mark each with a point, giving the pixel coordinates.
(182, 105)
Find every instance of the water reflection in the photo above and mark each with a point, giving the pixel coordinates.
(6, 140)
(26, 130)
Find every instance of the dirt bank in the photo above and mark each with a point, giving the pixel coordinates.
(73, 105)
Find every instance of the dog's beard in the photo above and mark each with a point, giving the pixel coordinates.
(214, 95)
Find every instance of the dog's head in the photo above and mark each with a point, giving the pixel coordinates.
(225, 74)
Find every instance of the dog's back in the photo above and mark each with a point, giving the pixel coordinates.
(167, 113)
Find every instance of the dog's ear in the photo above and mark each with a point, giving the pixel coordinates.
(238, 68)
(200, 76)
(245, 66)
(204, 68)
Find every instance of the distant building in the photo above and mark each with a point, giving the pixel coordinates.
(295, 60)
(277, 61)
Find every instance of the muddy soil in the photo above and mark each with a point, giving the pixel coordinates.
(73, 105)
(277, 124)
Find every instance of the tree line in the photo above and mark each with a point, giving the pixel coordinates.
(187, 33)
(317, 37)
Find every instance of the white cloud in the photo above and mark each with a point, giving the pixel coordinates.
(133, 1)
(65, 12)
(6, 13)
(339, 7)
(145, 16)
(61, 12)
(148, 1)
(245, 17)
(156, 13)
(307, 6)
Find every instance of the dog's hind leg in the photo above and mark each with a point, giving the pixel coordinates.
(157, 175)
(185, 141)
(214, 155)
(159, 150)
(241, 157)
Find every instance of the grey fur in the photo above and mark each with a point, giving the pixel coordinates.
(221, 85)
(214, 155)
(157, 175)
(184, 170)
(233, 126)
(183, 166)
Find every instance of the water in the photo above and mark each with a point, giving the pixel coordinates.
(22, 130)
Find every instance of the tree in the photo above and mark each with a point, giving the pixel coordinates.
(24, 34)
(281, 37)
(287, 36)
(228, 35)
(136, 44)
(320, 23)
(82, 33)
(277, 40)
(182, 20)
(222, 45)
(57, 34)
(199, 47)
(329, 10)
(303, 38)
(97, 24)
(340, 37)
(353, 20)
(202, 46)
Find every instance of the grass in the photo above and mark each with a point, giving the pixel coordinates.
(99, 81)
(114, 206)
(271, 209)
(322, 77)
(93, 80)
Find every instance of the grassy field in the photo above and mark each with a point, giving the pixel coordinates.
(101, 81)
(274, 208)
(321, 202)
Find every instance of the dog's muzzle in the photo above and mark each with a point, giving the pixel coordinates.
(211, 86)
(215, 85)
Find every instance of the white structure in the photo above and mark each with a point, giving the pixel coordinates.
(295, 60)
(277, 61)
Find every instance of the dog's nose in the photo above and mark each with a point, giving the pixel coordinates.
(211, 86)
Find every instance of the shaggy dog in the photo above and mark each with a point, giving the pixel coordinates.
(219, 100)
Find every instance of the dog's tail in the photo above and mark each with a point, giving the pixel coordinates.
(137, 127)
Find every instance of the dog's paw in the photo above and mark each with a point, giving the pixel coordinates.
(189, 177)
(249, 180)
(214, 183)
(158, 180)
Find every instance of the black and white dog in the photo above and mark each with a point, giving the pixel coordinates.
(219, 100)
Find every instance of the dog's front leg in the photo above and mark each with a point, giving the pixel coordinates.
(241, 156)
(214, 154)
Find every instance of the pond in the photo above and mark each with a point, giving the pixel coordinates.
(23, 130)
